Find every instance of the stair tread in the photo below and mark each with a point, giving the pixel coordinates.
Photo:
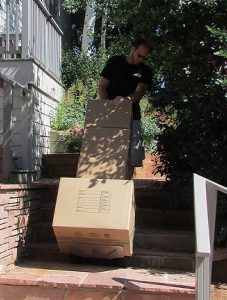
(75, 277)
(139, 230)
(137, 251)
(168, 210)
(121, 280)
(149, 252)
(148, 231)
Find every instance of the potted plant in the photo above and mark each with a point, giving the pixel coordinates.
(66, 141)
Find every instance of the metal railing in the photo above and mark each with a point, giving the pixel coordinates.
(28, 30)
(205, 203)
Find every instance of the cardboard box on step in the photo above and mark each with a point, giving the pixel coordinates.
(102, 113)
(104, 153)
(95, 218)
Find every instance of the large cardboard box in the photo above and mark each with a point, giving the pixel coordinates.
(102, 113)
(95, 217)
(104, 153)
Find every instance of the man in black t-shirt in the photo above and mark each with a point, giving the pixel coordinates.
(127, 79)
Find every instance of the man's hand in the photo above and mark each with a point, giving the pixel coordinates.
(119, 100)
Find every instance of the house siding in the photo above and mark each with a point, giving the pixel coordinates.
(31, 114)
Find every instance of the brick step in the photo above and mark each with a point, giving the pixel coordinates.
(59, 164)
(145, 217)
(44, 251)
(162, 260)
(48, 212)
(158, 199)
(157, 194)
(141, 258)
(165, 240)
(56, 280)
(43, 232)
(153, 194)
(164, 218)
(151, 189)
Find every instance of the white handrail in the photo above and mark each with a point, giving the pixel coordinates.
(205, 203)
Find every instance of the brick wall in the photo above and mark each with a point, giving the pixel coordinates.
(20, 209)
(148, 170)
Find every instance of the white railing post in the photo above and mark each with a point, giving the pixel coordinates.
(202, 239)
(7, 25)
(27, 40)
(17, 24)
(205, 203)
(203, 278)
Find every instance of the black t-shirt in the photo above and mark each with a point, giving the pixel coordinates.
(124, 78)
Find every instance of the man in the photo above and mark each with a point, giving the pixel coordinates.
(127, 79)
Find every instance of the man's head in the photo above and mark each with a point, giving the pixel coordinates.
(139, 51)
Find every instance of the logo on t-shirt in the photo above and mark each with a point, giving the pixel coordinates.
(138, 75)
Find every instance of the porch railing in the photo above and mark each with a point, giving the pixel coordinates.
(205, 203)
(29, 31)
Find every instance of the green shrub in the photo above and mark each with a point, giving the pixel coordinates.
(71, 110)
(73, 138)
(80, 74)
(150, 127)
(79, 67)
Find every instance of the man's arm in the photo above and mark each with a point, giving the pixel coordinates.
(102, 88)
(137, 95)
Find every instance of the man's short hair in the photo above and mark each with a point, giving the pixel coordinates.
(136, 43)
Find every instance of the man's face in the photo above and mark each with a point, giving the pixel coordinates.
(138, 54)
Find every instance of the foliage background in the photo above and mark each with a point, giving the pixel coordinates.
(188, 57)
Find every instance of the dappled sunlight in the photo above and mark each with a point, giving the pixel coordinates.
(105, 114)
(104, 153)
(106, 143)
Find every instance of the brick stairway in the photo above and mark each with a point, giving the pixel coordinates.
(161, 268)
(163, 237)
